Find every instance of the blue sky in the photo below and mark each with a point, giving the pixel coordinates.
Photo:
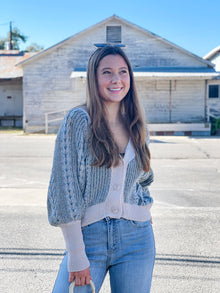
(191, 24)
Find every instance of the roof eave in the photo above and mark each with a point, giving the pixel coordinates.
(161, 75)
(3, 78)
(175, 75)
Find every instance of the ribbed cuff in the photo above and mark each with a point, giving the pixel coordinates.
(77, 259)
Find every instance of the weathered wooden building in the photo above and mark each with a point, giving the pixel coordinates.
(171, 82)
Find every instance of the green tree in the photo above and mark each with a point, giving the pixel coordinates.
(17, 37)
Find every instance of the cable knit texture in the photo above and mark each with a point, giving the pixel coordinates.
(75, 185)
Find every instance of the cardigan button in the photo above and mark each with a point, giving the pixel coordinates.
(116, 187)
(115, 210)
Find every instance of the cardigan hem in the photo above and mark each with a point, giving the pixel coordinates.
(127, 211)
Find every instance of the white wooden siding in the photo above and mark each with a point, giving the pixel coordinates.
(156, 103)
(187, 101)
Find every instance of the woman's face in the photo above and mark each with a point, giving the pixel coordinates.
(113, 78)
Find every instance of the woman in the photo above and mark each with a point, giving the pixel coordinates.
(98, 191)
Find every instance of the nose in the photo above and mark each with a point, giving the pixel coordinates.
(115, 78)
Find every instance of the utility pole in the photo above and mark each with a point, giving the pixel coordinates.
(10, 36)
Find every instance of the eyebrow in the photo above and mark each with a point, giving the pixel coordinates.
(105, 68)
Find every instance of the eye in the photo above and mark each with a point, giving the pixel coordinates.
(124, 71)
(106, 72)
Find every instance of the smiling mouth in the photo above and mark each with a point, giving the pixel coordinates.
(115, 90)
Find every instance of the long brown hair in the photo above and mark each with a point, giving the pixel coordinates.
(104, 148)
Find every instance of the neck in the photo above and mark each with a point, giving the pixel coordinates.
(112, 113)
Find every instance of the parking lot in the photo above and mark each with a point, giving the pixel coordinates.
(186, 215)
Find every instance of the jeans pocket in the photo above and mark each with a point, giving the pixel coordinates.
(140, 224)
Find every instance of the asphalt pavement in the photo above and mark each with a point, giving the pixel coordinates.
(186, 215)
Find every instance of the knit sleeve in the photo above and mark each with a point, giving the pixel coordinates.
(146, 178)
(65, 193)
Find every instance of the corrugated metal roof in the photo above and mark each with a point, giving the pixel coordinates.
(8, 61)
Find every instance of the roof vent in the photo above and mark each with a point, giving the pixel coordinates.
(113, 34)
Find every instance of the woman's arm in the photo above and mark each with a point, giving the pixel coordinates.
(65, 199)
(77, 259)
(146, 178)
(78, 263)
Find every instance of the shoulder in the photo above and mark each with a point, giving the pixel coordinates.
(77, 119)
(78, 115)
(76, 122)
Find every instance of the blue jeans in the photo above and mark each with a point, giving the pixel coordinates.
(125, 248)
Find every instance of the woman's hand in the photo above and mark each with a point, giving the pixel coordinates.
(81, 278)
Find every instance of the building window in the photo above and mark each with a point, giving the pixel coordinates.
(113, 34)
(214, 91)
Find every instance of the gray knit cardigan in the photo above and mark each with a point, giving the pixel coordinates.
(76, 185)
